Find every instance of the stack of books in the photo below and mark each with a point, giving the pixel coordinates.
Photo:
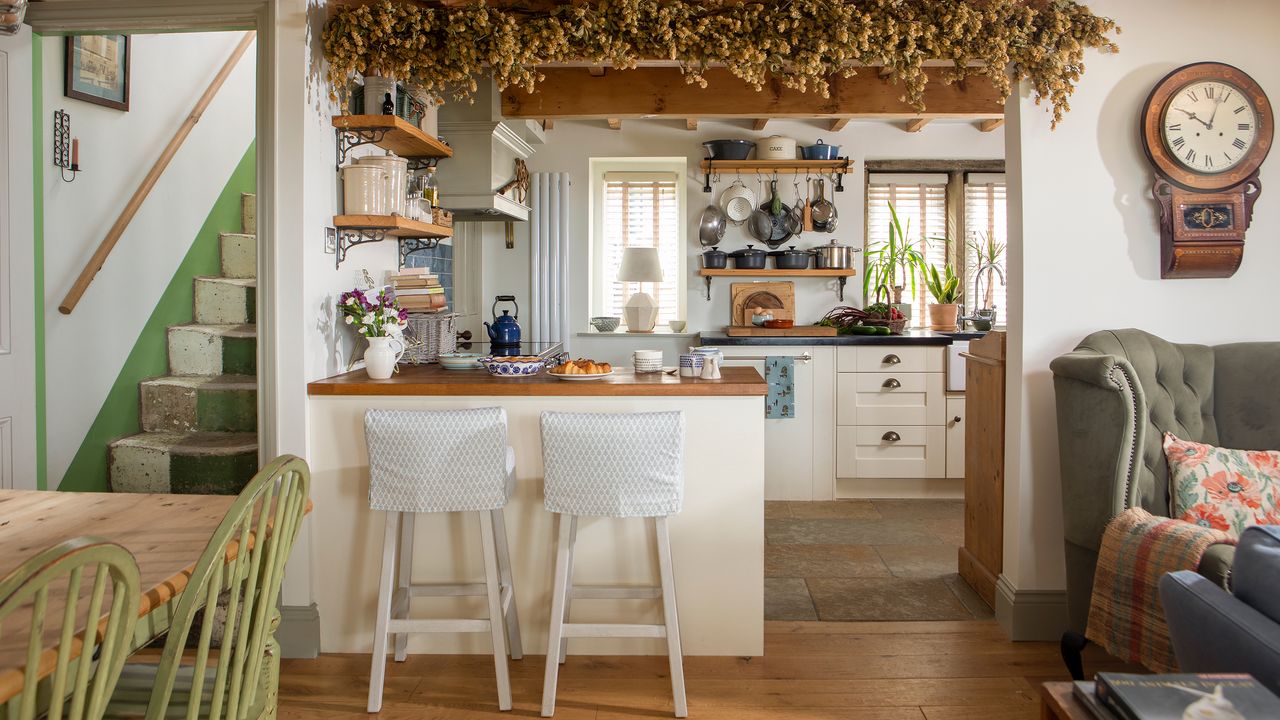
(1118, 696)
(418, 290)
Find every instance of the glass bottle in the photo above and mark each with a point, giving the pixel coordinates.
(431, 189)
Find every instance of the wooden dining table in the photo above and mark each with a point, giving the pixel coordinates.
(165, 533)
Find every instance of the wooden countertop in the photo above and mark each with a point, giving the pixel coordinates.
(433, 380)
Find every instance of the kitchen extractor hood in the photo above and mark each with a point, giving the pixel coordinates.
(485, 150)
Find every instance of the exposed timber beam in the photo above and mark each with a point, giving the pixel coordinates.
(691, 124)
(838, 124)
(759, 123)
(615, 123)
(596, 71)
(661, 92)
(989, 125)
(548, 124)
(916, 124)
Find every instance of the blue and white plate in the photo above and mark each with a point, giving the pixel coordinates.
(511, 367)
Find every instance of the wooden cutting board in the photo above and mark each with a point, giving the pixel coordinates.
(797, 331)
(777, 297)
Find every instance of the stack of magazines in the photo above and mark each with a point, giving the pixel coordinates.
(1120, 696)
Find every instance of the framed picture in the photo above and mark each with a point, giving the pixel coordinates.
(98, 70)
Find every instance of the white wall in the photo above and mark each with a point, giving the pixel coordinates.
(1084, 245)
(117, 149)
(570, 146)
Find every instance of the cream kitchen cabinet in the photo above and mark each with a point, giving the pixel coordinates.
(955, 436)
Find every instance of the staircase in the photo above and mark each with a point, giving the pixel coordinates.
(200, 422)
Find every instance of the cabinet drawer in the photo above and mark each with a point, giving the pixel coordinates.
(869, 451)
(890, 358)
(890, 398)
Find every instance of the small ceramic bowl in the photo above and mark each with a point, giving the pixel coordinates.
(677, 326)
(459, 361)
(605, 324)
(514, 366)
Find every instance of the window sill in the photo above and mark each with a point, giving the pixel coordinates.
(623, 334)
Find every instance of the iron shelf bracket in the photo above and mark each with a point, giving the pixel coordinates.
(350, 237)
(412, 245)
(416, 164)
(349, 140)
(708, 279)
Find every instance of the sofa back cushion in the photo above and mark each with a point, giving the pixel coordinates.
(1255, 576)
(1175, 394)
(1247, 395)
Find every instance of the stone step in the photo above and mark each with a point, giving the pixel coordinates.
(239, 255)
(213, 349)
(249, 213)
(224, 301)
(190, 463)
(217, 403)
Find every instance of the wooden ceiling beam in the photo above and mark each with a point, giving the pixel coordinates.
(596, 70)
(838, 124)
(916, 124)
(661, 92)
(759, 123)
(548, 124)
(614, 123)
(691, 124)
(989, 125)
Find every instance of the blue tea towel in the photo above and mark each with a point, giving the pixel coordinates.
(779, 375)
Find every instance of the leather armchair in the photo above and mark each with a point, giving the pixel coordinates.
(1117, 394)
(1215, 631)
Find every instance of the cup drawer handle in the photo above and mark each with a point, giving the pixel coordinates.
(891, 436)
(891, 384)
(891, 360)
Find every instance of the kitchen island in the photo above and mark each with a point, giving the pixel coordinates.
(717, 540)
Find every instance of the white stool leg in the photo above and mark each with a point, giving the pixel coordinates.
(495, 611)
(568, 583)
(378, 670)
(404, 580)
(674, 656)
(559, 585)
(504, 575)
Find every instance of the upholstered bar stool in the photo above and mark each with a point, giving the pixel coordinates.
(441, 462)
(619, 466)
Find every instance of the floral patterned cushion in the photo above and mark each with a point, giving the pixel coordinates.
(1223, 489)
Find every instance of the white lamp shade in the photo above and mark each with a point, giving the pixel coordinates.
(640, 264)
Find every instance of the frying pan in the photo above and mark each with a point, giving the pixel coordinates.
(779, 216)
(823, 211)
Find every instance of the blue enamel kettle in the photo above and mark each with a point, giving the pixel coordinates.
(504, 330)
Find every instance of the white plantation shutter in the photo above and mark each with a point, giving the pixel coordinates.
(921, 204)
(984, 216)
(641, 210)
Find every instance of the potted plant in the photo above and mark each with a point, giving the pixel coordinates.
(891, 267)
(988, 259)
(945, 289)
(381, 321)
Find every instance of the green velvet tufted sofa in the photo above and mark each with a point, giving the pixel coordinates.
(1117, 393)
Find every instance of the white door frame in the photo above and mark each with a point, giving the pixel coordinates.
(18, 414)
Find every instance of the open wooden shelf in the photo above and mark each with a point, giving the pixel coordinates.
(389, 132)
(773, 272)
(841, 276)
(393, 226)
(817, 167)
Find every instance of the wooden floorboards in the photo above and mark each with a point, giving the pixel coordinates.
(961, 670)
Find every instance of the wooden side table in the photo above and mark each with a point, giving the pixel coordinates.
(1058, 703)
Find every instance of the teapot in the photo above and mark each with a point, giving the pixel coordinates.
(505, 330)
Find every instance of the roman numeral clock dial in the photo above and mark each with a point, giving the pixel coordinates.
(1206, 129)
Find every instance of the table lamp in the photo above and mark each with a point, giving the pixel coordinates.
(640, 265)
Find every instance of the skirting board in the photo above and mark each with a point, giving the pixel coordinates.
(299, 631)
(1030, 614)
(900, 488)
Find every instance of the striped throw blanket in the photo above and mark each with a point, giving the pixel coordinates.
(1125, 615)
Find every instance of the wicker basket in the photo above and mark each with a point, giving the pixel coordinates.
(428, 335)
(441, 217)
(895, 326)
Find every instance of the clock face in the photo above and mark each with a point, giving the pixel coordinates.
(1209, 126)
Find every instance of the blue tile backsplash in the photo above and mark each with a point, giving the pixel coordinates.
(440, 260)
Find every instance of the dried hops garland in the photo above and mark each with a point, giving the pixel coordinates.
(799, 42)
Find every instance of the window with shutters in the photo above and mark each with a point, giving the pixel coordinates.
(638, 203)
(984, 222)
(920, 201)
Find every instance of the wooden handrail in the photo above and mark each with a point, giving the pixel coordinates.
(108, 243)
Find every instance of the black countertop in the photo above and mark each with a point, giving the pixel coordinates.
(911, 337)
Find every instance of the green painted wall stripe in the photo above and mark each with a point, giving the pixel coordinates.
(37, 180)
(118, 416)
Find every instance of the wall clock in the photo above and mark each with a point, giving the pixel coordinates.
(1206, 128)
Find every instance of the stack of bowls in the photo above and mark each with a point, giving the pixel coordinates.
(647, 361)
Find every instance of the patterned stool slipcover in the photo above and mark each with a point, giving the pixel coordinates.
(438, 460)
(614, 465)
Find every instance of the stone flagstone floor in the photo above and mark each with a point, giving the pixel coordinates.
(852, 560)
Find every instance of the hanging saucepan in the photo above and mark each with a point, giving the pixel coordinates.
(779, 219)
